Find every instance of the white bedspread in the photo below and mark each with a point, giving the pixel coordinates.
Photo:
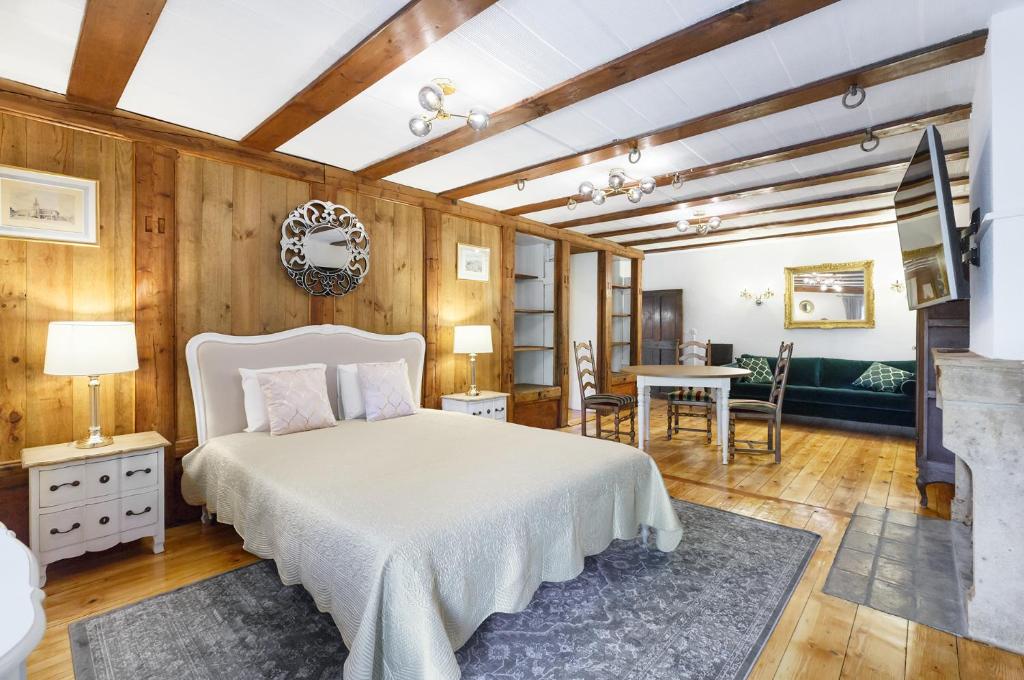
(412, 531)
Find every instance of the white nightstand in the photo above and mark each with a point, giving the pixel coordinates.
(83, 500)
(492, 405)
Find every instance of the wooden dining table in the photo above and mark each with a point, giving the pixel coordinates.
(709, 377)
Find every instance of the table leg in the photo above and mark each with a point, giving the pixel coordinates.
(723, 421)
(643, 395)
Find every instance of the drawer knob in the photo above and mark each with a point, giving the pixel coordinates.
(54, 487)
(54, 531)
(132, 513)
(488, 410)
(104, 519)
(104, 479)
(132, 472)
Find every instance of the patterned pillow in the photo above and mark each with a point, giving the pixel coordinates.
(883, 378)
(297, 400)
(386, 390)
(760, 371)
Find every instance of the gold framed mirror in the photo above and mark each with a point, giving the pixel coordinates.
(830, 295)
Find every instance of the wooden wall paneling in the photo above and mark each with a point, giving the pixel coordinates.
(282, 304)
(637, 321)
(605, 306)
(563, 352)
(14, 499)
(155, 320)
(246, 244)
(188, 201)
(13, 311)
(49, 269)
(507, 316)
(467, 302)
(431, 305)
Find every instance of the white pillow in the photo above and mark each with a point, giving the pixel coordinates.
(386, 390)
(297, 400)
(255, 404)
(350, 396)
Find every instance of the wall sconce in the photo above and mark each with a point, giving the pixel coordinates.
(896, 286)
(758, 299)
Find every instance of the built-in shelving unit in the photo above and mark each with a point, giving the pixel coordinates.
(621, 313)
(534, 347)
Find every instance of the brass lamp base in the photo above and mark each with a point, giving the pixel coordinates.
(94, 442)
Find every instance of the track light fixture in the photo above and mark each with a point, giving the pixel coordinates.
(617, 179)
(431, 98)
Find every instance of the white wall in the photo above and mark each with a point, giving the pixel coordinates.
(712, 279)
(582, 312)
(997, 188)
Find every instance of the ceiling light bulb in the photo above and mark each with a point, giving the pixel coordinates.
(714, 222)
(838, 289)
(586, 189)
(478, 119)
(616, 179)
(431, 97)
(648, 185)
(682, 225)
(634, 195)
(419, 126)
(677, 181)
(598, 197)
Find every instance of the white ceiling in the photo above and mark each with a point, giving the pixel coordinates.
(223, 66)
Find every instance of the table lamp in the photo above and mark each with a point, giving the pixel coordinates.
(472, 340)
(91, 348)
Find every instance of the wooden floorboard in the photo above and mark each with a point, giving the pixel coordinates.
(823, 475)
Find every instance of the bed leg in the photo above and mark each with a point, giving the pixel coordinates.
(645, 532)
(205, 517)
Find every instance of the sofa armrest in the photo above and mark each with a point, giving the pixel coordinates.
(909, 387)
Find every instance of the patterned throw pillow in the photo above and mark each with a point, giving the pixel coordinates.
(297, 400)
(386, 390)
(760, 371)
(883, 378)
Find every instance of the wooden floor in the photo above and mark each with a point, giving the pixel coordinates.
(823, 475)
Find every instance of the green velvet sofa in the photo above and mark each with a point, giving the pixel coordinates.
(823, 388)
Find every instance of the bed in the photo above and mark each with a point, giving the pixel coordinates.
(410, 531)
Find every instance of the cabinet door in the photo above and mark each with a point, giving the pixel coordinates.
(102, 478)
(60, 529)
(140, 471)
(102, 519)
(500, 410)
(61, 485)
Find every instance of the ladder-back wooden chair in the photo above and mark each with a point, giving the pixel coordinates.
(691, 402)
(769, 411)
(615, 405)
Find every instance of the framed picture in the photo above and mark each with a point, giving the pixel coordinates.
(474, 263)
(47, 207)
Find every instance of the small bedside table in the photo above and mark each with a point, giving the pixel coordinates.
(492, 405)
(83, 500)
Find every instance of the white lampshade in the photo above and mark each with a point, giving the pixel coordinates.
(90, 348)
(472, 340)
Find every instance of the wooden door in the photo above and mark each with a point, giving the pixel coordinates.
(662, 326)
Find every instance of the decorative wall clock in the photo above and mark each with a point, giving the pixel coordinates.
(325, 248)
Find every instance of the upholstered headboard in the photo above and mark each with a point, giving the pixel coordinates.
(214, 359)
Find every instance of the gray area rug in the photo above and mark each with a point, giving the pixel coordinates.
(703, 611)
(904, 564)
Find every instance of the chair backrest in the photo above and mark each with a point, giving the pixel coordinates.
(585, 371)
(781, 374)
(693, 353)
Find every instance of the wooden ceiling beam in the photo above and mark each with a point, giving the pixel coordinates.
(843, 140)
(407, 33)
(759, 237)
(794, 222)
(901, 66)
(774, 187)
(726, 27)
(113, 35)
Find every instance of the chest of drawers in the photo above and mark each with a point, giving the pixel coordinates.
(83, 500)
(493, 405)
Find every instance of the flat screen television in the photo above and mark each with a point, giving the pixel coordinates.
(929, 239)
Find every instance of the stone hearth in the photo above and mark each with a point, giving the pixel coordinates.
(983, 423)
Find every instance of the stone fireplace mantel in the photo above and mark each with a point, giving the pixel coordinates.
(982, 402)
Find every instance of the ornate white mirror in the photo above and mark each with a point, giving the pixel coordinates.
(830, 295)
(325, 248)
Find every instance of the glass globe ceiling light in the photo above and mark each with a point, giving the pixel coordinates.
(617, 180)
(432, 98)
